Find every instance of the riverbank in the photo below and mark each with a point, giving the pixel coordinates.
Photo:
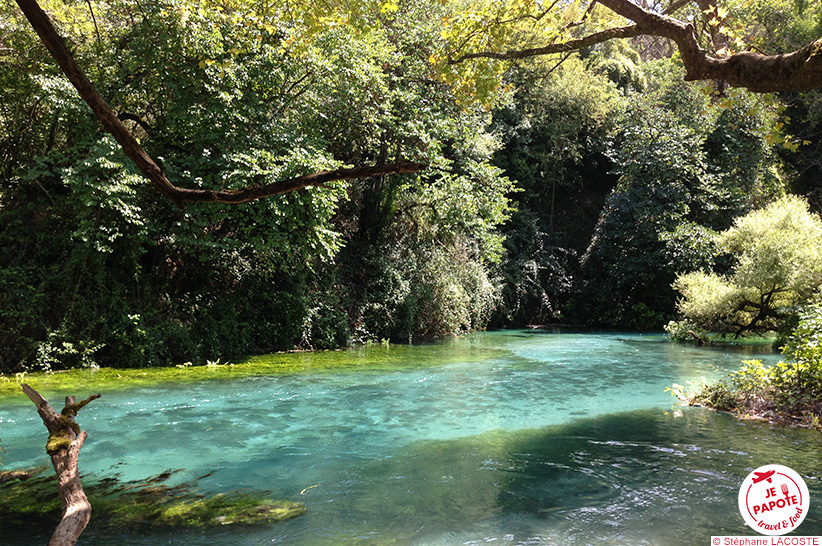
(758, 408)
(759, 393)
(78, 381)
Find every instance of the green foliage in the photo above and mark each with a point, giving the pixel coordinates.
(97, 269)
(556, 133)
(690, 246)
(720, 395)
(687, 166)
(789, 390)
(740, 148)
(789, 23)
(620, 63)
(661, 181)
(555, 127)
(418, 265)
(624, 191)
(616, 160)
(801, 380)
(780, 245)
(683, 330)
(777, 265)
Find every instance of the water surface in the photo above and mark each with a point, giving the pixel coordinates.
(498, 438)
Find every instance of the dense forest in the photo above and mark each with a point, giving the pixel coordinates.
(581, 188)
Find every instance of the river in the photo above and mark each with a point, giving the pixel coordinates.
(506, 438)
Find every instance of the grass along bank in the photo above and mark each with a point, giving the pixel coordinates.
(372, 356)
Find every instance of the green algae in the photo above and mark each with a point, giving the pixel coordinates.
(222, 509)
(376, 358)
(30, 497)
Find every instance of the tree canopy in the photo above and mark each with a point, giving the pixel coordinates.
(777, 254)
(715, 39)
(720, 50)
(98, 267)
(145, 163)
(429, 171)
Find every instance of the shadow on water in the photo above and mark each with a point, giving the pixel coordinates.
(643, 477)
(648, 477)
(477, 440)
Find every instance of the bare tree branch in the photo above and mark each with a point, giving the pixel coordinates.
(41, 23)
(64, 443)
(563, 47)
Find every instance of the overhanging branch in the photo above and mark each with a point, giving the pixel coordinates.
(796, 71)
(245, 195)
(41, 23)
(562, 47)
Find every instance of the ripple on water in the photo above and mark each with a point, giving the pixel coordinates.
(552, 439)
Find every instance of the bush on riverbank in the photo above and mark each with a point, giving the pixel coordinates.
(787, 392)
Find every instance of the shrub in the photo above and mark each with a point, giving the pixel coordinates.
(788, 390)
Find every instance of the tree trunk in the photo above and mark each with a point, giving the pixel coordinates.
(64, 443)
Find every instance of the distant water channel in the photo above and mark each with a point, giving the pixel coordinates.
(504, 438)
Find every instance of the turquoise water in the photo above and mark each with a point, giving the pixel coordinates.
(498, 438)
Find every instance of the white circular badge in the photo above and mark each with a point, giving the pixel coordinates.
(773, 499)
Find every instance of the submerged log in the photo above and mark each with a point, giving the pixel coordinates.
(9, 475)
(64, 443)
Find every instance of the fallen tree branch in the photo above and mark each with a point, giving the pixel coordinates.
(696, 337)
(41, 23)
(64, 443)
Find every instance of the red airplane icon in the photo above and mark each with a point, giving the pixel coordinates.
(761, 476)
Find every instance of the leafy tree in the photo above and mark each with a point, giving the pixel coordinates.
(473, 32)
(777, 265)
(788, 391)
(686, 168)
(131, 145)
(664, 184)
(98, 269)
(556, 134)
(713, 38)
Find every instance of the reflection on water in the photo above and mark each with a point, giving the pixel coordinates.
(528, 439)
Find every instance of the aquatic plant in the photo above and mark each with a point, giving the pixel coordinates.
(29, 497)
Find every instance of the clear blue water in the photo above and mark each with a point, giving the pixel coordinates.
(507, 438)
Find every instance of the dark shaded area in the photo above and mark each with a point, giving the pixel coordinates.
(29, 506)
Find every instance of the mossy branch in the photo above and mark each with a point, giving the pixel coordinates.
(72, 409)
(63, 445)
